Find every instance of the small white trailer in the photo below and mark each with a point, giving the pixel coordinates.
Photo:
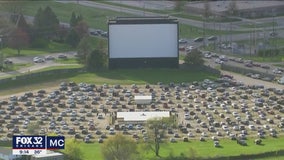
(143, 99)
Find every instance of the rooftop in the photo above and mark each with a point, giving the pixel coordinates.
(141, 116)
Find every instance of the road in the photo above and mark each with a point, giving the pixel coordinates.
(35, 66)
(258, 33)
(250, 81)
(245, 79)
(222, 26)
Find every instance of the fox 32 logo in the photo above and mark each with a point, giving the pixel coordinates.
(38, 142)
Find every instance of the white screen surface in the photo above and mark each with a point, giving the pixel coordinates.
(143, 40)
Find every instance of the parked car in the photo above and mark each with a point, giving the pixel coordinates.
(62, 56)
(198, 39)
(8, 61)
(104, 34)
(182, 41)
(49, 57)
(38, 60)
(212, 38)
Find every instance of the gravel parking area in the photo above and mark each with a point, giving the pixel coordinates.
(224, 108)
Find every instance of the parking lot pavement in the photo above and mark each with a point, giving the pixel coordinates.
(224, 108)
(36, 66)
(251, 81)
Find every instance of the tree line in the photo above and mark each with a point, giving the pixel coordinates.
(46, 28)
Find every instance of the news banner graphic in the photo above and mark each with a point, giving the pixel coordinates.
(30, 145)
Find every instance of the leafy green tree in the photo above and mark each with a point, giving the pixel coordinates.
(156, 128)
(72, 38)
(119, 147)
(33, 128)
(261, 53)
(38, 18)
(75, 19)
(194, 57)
(84, 48)
(62, 33)
(46, 23)
(73, 150)
(96, 60)
(82, 29)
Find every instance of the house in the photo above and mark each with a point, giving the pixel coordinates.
(7, 154)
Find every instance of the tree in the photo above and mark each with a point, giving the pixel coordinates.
(73, 150)
(96, 60)
(75, 19)
(18, 39)
(72, 38)
(62, 33)
(119, 147)
(194, 57)
(84, 48)
(52, 25)
(46, 23)
(82, 29)
(156, 128)
(207, 10)
(206, 15)
(33, 128)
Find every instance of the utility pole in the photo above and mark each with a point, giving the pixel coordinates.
(203, 31)
(231, 37)
(250, 44)
(1, 54)
(214, 23)
(143, 8)
(220, 46)
(273, 30)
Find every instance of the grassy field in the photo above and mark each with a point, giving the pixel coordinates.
(52, 47)
(173, 12)
(195, 148)
(97, 18)
(121, 76)
(67, 61)
(260, 25)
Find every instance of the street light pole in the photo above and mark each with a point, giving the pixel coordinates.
(1, 54)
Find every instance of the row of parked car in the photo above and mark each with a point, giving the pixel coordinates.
(221, 108)
(197, 39)
(47, 58)
(99, 32)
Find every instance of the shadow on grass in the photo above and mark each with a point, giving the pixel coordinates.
(152, 76)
